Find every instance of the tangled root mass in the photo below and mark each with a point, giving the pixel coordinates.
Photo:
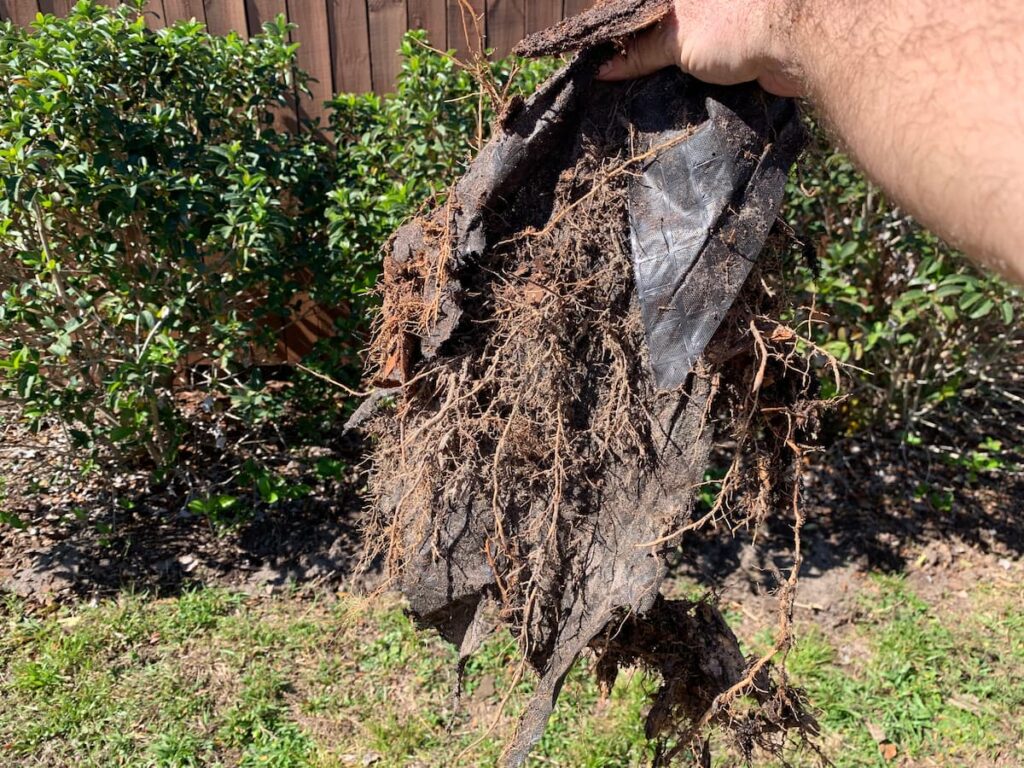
(529, 473)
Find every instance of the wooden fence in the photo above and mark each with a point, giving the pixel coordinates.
(348, 45)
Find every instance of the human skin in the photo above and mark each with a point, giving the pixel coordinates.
(927, 95)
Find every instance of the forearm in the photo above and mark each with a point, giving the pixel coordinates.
(928, 96)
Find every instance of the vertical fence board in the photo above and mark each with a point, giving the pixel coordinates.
(183, 10)
(56, 7)
(466, 25)
(350, 46)
(506, 25)
(259, 12)
(223, 16)
(314, 55)
(154, 14)
(21, 12)
(541, 14)
(387, 25)
(431, 15)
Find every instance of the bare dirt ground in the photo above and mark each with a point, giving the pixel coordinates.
(873, 504)
(94, 535)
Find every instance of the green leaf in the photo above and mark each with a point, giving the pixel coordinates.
(968, 300)
(1008, 312)
(983, 309)
(947, 291)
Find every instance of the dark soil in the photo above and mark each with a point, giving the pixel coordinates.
(94, 535)
(605, 20)
(874, 503)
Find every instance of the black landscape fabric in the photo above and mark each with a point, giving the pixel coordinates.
(541, 343)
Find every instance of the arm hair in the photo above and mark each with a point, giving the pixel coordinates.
(928, 96)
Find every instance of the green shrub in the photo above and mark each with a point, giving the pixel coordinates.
(922, 324)
(151, 216)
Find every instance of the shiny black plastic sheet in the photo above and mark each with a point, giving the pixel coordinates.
(699, 214)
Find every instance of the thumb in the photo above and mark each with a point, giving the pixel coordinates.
(649, 51)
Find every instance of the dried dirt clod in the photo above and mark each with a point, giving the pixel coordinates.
(604, 22)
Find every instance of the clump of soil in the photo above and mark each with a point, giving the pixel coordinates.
(528, 472)
(609, 20)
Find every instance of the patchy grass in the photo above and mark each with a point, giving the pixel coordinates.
(215, 679)
(917, 684)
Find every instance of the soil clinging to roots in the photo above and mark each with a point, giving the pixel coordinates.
(527, 471)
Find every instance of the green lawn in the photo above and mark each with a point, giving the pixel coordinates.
(212, 678)
(941, 687)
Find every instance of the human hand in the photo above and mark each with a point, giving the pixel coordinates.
(718, 41)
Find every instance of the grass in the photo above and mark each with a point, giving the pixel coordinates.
(215, 679)
(931, 685)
